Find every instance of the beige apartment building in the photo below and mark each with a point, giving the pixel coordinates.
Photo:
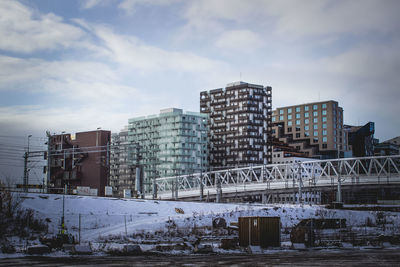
(314, 128)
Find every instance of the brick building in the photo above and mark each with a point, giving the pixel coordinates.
(79, 161)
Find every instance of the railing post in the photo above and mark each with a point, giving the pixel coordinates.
(339, 184)
(201, 187)
(218, 196)
(300, 198)
(176, 187)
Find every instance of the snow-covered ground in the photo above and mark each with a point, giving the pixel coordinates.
(101, 217)
(103, 220)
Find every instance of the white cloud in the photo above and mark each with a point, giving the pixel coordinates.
(290, 18)
(316, 17)
(239, 40)
(38, 119)
(87, 4)
(131, 52)
(116, 76)
(129, 6)
(23, 30)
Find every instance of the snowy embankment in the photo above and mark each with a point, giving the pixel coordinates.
(102, 218)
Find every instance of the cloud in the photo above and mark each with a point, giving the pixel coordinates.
(316, 17)
(239, 40)
(341, 50)
(290, 19)
(24, 31)
(129, 6)
(37, 119)
(88, 4)
(131, 52)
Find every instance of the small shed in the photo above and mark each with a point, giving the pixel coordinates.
(260, 231)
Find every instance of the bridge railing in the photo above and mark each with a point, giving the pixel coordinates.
(290, 174)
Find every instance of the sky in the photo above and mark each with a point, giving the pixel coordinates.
(78, 65)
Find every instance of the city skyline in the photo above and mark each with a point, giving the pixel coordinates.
(78, 65)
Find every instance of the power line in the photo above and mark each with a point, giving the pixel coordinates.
(23, 137)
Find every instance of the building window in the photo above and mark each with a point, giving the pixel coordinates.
(315, 107)
(297, 129)
(289, 123)
(324, 132)
(324, 126)
(306, 115)
(306, 128)
(289, 117)
(281, 111)
(315, 113)
(324, 112)
(306, 121)
(306, 134)
(281, 118)
(315, 120)
(297, 109)
(324, 146)
(324, 139)
(289, 129)
(297, 115)
(315, 127)
(315, 139)
(306, 108)
(297, 135)
(324, 119)
(324, 105)
(289, 110)
(273, 119)
(297, 122)
(315, 133)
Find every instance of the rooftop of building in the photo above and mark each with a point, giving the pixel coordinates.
(236, 84)
(395, 140)
(168, 112)
(310, 103)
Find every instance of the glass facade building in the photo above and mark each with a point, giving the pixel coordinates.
(168, 144)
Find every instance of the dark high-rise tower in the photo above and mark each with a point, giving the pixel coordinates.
(239, 124)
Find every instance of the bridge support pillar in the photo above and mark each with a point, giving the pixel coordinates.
(265, 198)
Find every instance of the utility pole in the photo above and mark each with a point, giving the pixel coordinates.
(107, 162)
(48, 157)
(201, 175)
(139, 179)
(63, 212)
(26, 171)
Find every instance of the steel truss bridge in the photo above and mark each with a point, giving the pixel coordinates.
(301, 175)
